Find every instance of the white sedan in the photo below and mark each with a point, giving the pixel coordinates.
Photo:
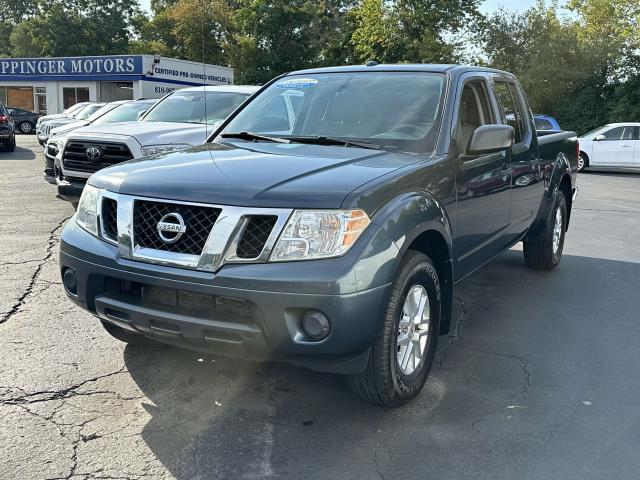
(616, 145)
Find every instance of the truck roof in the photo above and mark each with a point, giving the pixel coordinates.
(223, 88)
(403, 67)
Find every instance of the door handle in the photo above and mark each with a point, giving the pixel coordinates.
(626, 146)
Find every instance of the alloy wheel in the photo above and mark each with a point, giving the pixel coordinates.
(413, 330)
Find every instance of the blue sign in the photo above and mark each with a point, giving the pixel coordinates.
(71, 68)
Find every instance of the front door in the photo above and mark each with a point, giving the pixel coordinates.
(483, 185)
(616, 149)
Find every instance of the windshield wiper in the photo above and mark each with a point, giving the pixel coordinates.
(323, 140)
(254, 136)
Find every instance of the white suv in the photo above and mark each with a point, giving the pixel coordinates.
(182, 119)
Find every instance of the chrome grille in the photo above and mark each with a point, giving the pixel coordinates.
(255, 236)
(198, 220)
(75, 158)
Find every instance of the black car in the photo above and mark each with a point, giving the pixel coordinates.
(24, 120)
(7, 130)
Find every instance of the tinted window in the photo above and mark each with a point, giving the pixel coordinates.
(191, 107)
(510, 108)
(619, 133)
(542, 124)
(396, 110)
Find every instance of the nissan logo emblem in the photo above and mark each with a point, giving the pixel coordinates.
(171, 227)
(93, 153)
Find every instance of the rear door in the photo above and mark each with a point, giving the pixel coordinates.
(482, 181)
(616, 149)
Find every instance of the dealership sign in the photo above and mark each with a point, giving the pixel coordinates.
(124, 68)
(69, 67)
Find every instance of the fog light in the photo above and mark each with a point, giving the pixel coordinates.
(70, 280)
(316, 325)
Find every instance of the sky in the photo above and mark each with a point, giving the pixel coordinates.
(488, 6)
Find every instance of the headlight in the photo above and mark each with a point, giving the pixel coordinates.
(312, 234)
(153, 149)
(87, 213)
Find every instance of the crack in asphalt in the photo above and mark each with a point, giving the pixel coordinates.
(524, 366)
(375, 461)
(456, 335)
(51, 395)
(51, 243)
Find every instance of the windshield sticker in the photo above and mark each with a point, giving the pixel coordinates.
(297, 83)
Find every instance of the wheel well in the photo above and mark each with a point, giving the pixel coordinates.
(565, 188)
(434, 245)
(586, 158)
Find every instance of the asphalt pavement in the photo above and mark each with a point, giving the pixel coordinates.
(538, 379)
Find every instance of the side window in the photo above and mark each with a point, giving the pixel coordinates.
(542, 124)
(474, 111)
(619, 133)
(510, 108)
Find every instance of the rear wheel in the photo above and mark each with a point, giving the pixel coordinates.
(126, 336)
(405, 345)
(545, 251)
(11, 146)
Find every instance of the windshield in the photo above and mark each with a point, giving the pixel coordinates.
(127, 112)
(101, 111)
(395, 110)
(87, 111)
(73, 108)
(191, 107)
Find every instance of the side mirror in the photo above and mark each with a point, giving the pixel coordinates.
(490, 138)
(140, 114)
(599, 138)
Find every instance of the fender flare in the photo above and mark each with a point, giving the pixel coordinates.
(420, 212)
(560, 169)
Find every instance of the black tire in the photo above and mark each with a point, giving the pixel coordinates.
(11, 146)
(126, 336)
(583, 162)
(540, 253)
(26, 127)
(383, 382)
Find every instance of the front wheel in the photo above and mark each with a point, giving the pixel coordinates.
(583, 162)
(25, 127)
(405, 345)
(545, 251)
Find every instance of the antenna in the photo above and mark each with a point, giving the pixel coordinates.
(204, 73)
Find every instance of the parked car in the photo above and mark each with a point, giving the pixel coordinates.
(24, 120)
(7, 130)
(114, 112)
(330, 235)
(43, 129)
(65, 113)
(613, 146)
(546, 122)
(179, 120)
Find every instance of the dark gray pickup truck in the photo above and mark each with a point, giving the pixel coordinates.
(326, 222)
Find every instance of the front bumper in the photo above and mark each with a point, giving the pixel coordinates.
(49, 171)
(70, 189)
(253, 311)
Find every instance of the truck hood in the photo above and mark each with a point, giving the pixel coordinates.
(69, 127)
(253, 174)
(151, 133)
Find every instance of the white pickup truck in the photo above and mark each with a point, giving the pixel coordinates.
(181, 119)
